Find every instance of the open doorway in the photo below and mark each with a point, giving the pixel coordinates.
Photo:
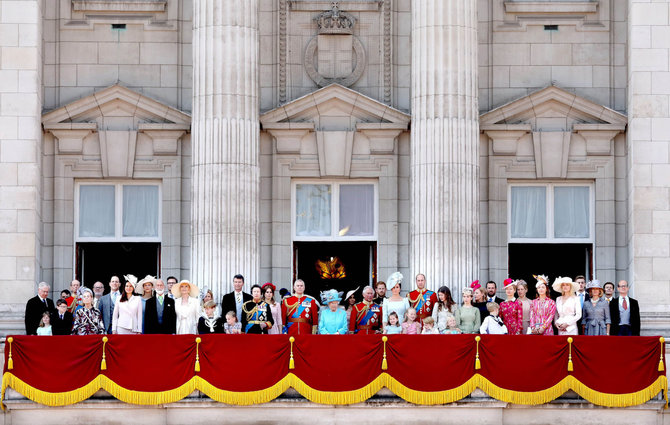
(335, 265)
(99, 261)
(552, 260)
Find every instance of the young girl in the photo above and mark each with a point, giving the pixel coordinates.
(410, 326)
(45, 325)
(452, 329)
(429, 327)
(232, 326)
(393, 326)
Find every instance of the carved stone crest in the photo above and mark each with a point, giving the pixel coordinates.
(335, 55)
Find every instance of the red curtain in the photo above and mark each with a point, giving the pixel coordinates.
(335, 369)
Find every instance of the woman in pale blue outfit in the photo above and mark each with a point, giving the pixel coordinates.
(332, 320)
(395, 303)
(596, 313)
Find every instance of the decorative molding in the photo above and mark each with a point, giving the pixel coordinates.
(71, 142)
(335, 149)
(334, 21)
(545, 8)
(283, 16)
(117, 152)
(551, 153)
(119, 6)
(321, 81)
(388, 68)
(319, 5)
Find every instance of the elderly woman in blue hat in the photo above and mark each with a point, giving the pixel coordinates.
(596, 313)
(332, 320)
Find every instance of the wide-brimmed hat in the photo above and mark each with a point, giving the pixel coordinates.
(194, 292)
(147, 279)
(350, 293)
(394, 279)
(131, 278)
(475, 285)
(509, 282)
(561, 280)
(594, 284)
(331, 295)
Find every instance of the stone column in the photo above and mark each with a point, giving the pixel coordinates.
(225, 183)
(20, 159)
(648, 161)
(444, 158)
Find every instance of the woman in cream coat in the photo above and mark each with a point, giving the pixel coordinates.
(127, 316)
(187, 306)
(568, 307)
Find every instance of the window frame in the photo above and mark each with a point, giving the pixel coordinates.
(550, 186)
(118, 211)
(335, 210)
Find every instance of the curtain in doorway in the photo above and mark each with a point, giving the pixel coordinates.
(140, 211)
(529, 212)
(312, 210)
(357, 210)
(571, 212)
(96, 211)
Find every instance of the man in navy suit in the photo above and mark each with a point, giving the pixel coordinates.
(160, 316)
(107, 302)
(61, 320)
(624, 313)
(36, 306)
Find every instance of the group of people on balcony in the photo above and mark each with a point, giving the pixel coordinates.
(152, 306)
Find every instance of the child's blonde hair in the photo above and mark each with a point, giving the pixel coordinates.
(45, 314)
(491, 307)
(231, 314)
(407, 312)
(429, 321)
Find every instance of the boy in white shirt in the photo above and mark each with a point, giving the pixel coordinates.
(493, 324)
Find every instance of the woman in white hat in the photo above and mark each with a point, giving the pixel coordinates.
(596, 311)
(127, 316)
(350, 302)
(186, 306)
(395, 303)
(568, 307)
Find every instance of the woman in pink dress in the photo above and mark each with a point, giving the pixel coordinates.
(268, 290)
(543, 309)
(511, 309)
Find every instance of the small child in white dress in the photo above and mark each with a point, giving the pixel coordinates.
(493, 324)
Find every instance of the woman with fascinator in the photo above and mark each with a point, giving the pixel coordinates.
(333, 319)
(268, 290)
(395, 303)
(542, 310)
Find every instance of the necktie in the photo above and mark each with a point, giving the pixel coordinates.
(625, 304)
(44, 300)
(237, 298)
(160, 299)
(61, 317)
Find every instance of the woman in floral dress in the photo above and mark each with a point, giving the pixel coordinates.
(543, 309)
(87, 320)
(511, 310)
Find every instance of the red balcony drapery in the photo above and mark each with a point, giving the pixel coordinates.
(250, 369)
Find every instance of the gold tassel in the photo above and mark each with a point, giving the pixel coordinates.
(385, 365)
(661, 368)
(197, 354)
(291, 363)
(478, 364)
(103, 363)
(570, 367)
(10, 361)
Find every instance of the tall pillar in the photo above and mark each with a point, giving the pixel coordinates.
(225, 137)
(444, 203)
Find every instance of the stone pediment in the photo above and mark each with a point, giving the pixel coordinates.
(335, 108)
(116, 101)
(116, 126)
(553, 109)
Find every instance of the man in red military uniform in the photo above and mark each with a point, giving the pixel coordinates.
(422, 299)
(299, 311)
(366, 316)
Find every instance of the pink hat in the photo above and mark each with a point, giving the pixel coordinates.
(475, 285)
(509, 282)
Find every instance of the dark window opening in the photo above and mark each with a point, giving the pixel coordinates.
(118, 26)
(552, 260)
(102, 260)
(551, 27)
(335, 265)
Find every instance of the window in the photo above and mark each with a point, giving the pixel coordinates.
(118, 212)
(334, 211)
(559, 213)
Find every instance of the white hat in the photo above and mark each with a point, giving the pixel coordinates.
(394, 279)
(194, 291)
(350, 293)
(131, 278)
(561, 280)
(147, 279)
(541, 279)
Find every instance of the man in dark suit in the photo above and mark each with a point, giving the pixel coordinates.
(160, 316)
(234, 300)
(491, 289)
(624, 313)
(61, 321)
(36, 306)
(107, 302)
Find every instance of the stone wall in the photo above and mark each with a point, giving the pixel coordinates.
(586, 54)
